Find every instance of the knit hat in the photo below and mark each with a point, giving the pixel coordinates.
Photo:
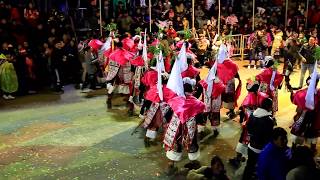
(268, 60)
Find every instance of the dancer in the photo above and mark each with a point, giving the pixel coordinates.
(119, 76)
(306, 125)
(270, 81)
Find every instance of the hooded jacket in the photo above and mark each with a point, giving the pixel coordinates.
(260, 128)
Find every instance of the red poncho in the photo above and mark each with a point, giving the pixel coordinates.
(265, 77)
(120, 55)
(227, 70)
(128, 44)
(192, 72)
(137, 61)
(153, 96)
(150, 78)
(253, 99)
(299, 99)
(186, 108)
(217, 89)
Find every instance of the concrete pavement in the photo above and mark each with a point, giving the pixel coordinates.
(70, 136)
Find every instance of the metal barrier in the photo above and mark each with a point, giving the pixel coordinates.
(235, 42)
(238, 44)
(245, 48)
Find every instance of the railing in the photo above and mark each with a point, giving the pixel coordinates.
(239, 45)
(236, 44)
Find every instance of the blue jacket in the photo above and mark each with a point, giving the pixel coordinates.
(273, 163)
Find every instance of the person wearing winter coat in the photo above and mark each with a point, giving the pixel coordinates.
(273, 162)
(260, 127)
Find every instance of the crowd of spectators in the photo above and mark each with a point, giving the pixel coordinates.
(40, 44)
(37, 44)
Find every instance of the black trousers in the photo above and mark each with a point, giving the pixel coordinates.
(250, 169)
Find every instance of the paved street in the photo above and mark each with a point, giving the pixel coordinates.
(71, 136)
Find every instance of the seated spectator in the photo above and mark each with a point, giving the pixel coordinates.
(215, 171)
(180, 9)
(273, 161)
(232, 20)
(167, 5)
(304, 166)
(199, 12)
(212, 22)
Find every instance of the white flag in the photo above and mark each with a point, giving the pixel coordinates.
(107, 44)
(222, 53)
(144, 49)
(175, 82)
(312, 89)
(210, 78)
(160, 69)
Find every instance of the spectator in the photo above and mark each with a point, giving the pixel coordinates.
(107, 9)
(57, 65)
(232, 20)
(180, 9)
(212, 22)
(31, 14)
(178, 25)
(8, 76)
(185, 23)
(167, 5)
(277, 42)
(125, 22)
(273, 160)
(307, 52)
(215, 171)
(304, 166)
(292, 52)
(260, 128)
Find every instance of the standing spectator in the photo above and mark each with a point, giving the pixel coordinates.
(307, 52)
(178, 25)
(57, 57)
(277, 42)
(203, 45)
(8, 76)
(125, 22)
(31, 14)
(180, 9)
(260, 128)
(199, 14)
(273, 160)
(292, 52)
(107, 9)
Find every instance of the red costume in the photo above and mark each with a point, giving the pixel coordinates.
(306, 122)
(156, 115)
(192, 72)
(181, 131)
(150, 78)
(227, 71)
(119, 75)
(269, 86)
